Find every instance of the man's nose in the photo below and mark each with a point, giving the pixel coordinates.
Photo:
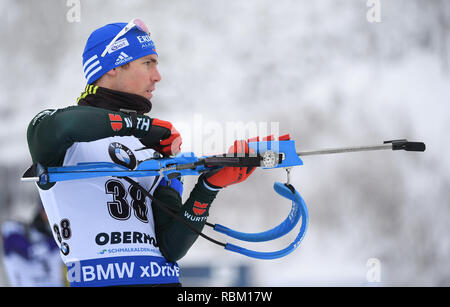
(156, 76)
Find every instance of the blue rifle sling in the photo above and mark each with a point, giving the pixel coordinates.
(295, 196)
(286, 226)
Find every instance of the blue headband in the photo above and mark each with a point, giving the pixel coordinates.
(133, 45)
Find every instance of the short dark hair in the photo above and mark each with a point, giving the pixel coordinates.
(126, 65)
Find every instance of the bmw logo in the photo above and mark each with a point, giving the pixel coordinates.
(65, 249)
(122, 155)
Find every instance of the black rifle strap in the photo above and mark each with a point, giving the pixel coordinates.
(166, 208)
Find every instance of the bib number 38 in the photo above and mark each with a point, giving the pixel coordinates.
(119, 208)
(63, 232)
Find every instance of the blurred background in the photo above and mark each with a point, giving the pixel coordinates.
(331, 73)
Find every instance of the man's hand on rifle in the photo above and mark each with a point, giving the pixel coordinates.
(227, 176)
(163, 137)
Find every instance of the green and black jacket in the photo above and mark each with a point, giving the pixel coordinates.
(52, 132)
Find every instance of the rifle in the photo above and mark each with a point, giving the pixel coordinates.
(267, 154)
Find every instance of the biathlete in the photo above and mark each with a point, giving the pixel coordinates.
(108, 232)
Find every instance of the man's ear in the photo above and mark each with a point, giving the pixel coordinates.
(112, 72)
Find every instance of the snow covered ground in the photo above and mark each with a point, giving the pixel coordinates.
(321, 72)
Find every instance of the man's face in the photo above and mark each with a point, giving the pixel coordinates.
(139, 77)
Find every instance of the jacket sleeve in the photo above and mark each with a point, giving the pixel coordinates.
(52, 132)
(173, 236)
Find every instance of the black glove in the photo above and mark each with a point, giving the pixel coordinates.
(162, 137)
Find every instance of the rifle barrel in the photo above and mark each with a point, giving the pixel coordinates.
(344, 149)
